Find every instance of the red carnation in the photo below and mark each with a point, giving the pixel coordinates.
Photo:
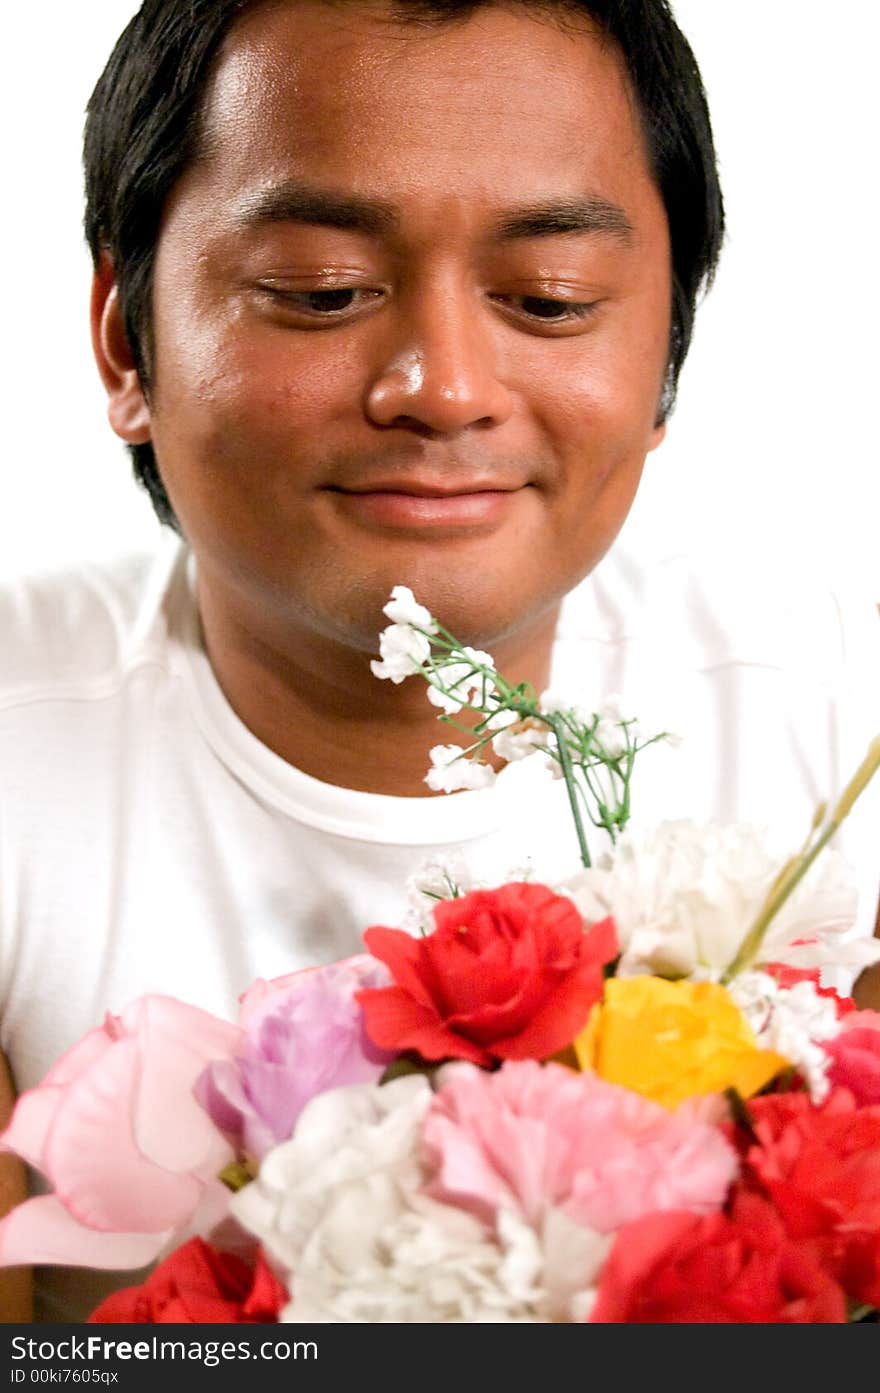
(742, 1269)
(506, 974)
(820, 1168)
(197, 1285)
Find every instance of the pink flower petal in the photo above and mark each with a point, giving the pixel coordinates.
(531, 1137)
(252, 1003)
(93, 1162)
(42, 1231)
(358, 970)
(176, 1042)
(80, 1056)
(30, 1124)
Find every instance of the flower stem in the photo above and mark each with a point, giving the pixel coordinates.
(794, 870)
(556, 725)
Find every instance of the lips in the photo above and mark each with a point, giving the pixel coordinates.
(425, 504)
(432, 488)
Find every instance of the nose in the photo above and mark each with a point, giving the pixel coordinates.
(439, 373)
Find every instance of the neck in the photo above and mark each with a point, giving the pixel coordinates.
(314, 702)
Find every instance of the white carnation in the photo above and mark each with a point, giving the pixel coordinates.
(339, 1210)
(684, 896)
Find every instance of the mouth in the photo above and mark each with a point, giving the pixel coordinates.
(428, 504)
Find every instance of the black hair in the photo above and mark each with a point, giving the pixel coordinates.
(143, 130)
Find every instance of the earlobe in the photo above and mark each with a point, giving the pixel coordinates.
(127, 408)
(658, 435)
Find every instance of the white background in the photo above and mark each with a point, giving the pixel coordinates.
(775, 438)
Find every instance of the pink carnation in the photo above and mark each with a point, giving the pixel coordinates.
(855, 1056)
(533, 1137)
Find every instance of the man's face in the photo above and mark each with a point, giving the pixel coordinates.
(411, 318)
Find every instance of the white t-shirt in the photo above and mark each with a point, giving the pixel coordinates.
(149, 842)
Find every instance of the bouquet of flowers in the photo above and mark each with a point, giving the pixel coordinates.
(626, 1098)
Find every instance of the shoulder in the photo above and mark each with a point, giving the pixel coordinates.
(73, 632)
(705, 606)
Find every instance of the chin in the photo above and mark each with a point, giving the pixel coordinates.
(472, 604)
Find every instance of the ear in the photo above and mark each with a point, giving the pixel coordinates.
(658, 435)
(127, 408)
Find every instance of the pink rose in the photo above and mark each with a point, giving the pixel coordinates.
(115, 1128)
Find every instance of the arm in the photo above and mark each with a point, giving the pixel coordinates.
(15, 1282)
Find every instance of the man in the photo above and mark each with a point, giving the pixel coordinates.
(382, 296)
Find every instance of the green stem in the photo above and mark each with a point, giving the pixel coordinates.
(783, 887)
(793, 873)
(557, 726)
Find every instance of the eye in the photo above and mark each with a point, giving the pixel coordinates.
(546, 309)
(541, 307)
(330, 304)
(325, 301)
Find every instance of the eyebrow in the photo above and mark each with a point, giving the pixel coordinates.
(590, 214)
(299, 203)
(291, 201)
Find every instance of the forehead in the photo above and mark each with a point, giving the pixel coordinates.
(504, 103)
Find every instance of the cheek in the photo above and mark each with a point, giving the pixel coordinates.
(598, 421)
(600, 403)
(235, 396)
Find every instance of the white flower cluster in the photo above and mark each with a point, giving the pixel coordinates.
(340, 1211)
(517, 738)
(593, 751)
(403, 648)
(792, 1021)
(446, 878)
(614, 732)
(454, 686)
(685, 895)
(437, 879)
(452, 770)
(404, 651)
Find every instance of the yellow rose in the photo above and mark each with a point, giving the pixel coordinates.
(672, 1040)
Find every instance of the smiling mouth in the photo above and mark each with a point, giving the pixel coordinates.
(413, 505)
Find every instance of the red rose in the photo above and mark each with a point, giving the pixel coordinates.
(506, 974)
(741, 1269)
(855, 1056)
(196, 1285)
(820, 1168)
